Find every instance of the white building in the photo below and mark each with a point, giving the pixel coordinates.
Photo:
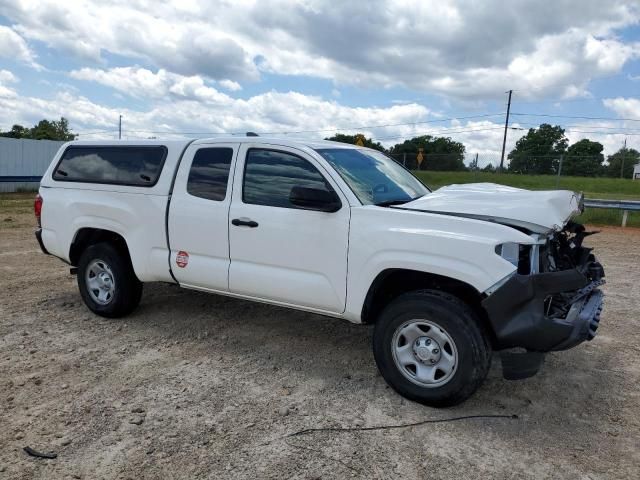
(636, 172)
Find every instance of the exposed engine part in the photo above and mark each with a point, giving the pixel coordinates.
(564, 251)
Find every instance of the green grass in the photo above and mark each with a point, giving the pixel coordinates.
(607, 188)
(16, 202)
(16, 210)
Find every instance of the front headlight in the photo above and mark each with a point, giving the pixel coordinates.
(510, 252)
(517, 255)
(525, 257)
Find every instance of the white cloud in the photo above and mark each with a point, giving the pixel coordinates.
(14, 46)
(190, 110)
(143, 83)
(461, 48)
(7, 77)
(230, 85)
(624, 107)
(165, 35)
(133, 81)
(6, 92)
(609, 55)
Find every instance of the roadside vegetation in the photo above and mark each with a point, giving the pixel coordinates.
(544, 150)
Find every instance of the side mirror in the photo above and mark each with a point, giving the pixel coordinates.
(315, 199)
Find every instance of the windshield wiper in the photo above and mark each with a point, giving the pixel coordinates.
(389, 203)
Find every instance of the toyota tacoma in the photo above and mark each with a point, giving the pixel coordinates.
(445, 277)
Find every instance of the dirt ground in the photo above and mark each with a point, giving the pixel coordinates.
(202, 386)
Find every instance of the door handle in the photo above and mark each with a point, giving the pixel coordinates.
(240, 222)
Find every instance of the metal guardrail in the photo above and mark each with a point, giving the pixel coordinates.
(625, 205)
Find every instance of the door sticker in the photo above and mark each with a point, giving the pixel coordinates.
(182, 259)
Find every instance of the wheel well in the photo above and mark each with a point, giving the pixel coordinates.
(90, 236)
(391, 283)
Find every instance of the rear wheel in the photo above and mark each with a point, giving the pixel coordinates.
(430, 348)
(106, 280)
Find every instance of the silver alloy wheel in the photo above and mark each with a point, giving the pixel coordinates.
(424, 353)
(100, 282)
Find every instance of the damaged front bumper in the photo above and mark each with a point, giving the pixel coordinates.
(544, 312)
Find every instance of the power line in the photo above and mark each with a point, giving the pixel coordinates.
(592, 129)
(365, 127)
(561, 101)
(465, 130)
(607, 133)
(96, 132)
(605, 127)
(576, 116)
(361, 127)
(453, 129)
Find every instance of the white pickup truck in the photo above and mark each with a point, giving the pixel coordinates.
(446, 276)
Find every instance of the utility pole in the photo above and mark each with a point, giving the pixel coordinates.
(559, 171)
(475, 170)
(120, 128)
(506, 126)
(624, 155)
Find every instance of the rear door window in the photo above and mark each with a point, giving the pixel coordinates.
(138, 166)
(209, 173)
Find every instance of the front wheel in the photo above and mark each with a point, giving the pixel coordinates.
(429, 347)
(106, 280)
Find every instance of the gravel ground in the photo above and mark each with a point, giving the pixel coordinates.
(202, 386)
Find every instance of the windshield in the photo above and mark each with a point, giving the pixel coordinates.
(374, 177)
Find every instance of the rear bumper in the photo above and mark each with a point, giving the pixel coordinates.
(39, 238)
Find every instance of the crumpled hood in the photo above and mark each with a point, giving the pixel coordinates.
(538, 211)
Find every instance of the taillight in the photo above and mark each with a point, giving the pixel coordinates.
(37, 208)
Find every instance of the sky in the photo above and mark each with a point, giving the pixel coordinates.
(389, 69)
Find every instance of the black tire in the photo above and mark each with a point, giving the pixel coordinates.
(127, 289)
(462, 326)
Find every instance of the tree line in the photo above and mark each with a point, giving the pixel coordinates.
(546, 149)
(539, 152)
(43, 130)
